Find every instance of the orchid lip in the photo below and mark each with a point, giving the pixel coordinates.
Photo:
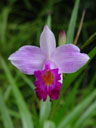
(48, 78)
(48, 83)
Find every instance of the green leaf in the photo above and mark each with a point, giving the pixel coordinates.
(77, 110)
(91, 85)
(7, 93)
(85, 115)
(4, 21)
(26, 116)
(67, 103)
(72, 23)
(49, 124)
(49, 21)
(45, 108)
(4, 113)
(91, 38)
(28, 81)
(14, 113)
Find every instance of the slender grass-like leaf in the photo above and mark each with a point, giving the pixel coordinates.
(7, 93)
(4, 113)
(49, 21)
(77, 110)
(35, 117)
(45, 108)
(90, 121)
(90, 85)
(68, 102)
(28, 81)
(49, 124)
(5, 14)
(79, 28)
(14, 114)
(26, 116)
(85, 115)
(91, 38)
(72, 23)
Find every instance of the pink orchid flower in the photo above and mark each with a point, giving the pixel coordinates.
(47, 63)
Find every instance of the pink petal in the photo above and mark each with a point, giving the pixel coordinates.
(28, 59)
(68, 58)
(47, 41)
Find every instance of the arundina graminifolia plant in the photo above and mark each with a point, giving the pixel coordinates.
(47, 63)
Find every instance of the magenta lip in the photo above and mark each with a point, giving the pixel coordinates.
(42, 89)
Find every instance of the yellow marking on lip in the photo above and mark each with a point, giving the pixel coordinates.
(48, 78)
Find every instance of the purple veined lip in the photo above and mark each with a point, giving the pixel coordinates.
(31, 60)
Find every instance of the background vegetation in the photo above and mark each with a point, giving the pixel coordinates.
(21, 22)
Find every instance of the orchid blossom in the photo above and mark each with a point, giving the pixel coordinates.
(47, 63)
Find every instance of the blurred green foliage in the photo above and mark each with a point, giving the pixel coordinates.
(21, 22)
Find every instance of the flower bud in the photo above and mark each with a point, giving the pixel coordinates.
(62, 38)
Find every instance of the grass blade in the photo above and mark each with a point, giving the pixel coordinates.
(49, 124)
(24, 112)
(28, 81)
(77, 110)
(69, 99)
(91, 38)
(79, 28)
(45, 108)
(71, 28)
(85, 115)
(68, 103)
(49, 21)
(91, 85)
(5, 14)
(4, 113)
(14, 114)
